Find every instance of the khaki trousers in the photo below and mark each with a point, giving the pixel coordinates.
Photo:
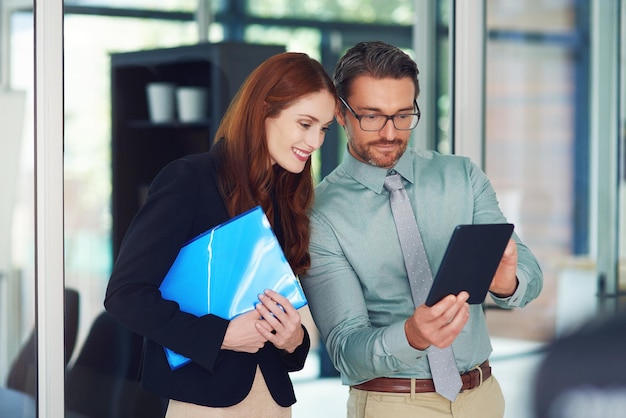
(259, 403)
(485, 401)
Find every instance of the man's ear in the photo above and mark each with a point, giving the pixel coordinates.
(340, 116)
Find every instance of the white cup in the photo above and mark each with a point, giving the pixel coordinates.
(192, 103)
(160, 101)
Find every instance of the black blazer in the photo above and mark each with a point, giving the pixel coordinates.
(184, 201)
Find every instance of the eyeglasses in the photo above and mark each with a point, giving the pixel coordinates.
(374, 122)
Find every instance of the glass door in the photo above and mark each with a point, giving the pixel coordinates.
(607, 153)
(18, 372)
(532, 137)
(621, 209)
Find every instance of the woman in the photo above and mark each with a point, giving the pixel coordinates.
(261, 156)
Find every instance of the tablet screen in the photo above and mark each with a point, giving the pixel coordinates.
(470, 261)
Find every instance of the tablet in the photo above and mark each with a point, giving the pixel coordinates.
(470, 261)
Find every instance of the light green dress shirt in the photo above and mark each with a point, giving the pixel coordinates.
(357, 286)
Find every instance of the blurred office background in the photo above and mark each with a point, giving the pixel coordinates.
(533, 90)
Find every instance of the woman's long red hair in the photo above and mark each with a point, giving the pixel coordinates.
(247, 177)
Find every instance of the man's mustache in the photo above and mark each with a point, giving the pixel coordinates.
(387, 142)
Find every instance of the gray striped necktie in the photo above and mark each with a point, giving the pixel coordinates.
(442, 364)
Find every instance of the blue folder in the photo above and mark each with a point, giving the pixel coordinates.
(223, 270)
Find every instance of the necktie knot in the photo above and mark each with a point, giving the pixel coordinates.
(393, 182)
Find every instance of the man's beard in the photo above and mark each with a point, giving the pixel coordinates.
(378, 159)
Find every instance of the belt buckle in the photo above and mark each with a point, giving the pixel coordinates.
(475, 379)
(480, 377)
(480, 373)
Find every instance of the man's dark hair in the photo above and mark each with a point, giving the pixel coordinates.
(375, 59)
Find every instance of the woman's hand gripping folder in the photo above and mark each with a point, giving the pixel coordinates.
(223, 270)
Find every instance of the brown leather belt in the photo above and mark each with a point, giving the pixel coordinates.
(471, 380)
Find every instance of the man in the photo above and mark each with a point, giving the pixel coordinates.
(358, 287)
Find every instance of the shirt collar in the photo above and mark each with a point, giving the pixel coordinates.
(373, 177)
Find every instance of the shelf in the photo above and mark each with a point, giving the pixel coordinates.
(140, 148)
(146, 124)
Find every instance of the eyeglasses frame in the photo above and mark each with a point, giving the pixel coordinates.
(358, 117)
